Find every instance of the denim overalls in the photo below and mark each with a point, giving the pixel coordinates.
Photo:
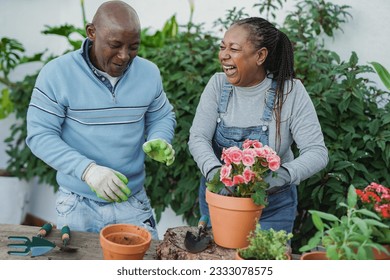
(281, 210)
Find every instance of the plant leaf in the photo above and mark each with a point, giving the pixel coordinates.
(352, 196)
(323, 215)
(383, 74)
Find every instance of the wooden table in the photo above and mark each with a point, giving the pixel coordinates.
(87, 243)
(171, 248)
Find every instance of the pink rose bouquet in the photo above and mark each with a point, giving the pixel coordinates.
(244, 170)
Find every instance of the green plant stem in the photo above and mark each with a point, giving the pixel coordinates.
(6, 82)
(83, 12)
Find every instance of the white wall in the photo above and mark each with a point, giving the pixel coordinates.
(367, 33)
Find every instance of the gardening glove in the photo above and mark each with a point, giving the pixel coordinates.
(108, 184)
(278, 179)
(159, 150)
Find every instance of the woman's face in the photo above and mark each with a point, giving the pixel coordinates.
(241, 62)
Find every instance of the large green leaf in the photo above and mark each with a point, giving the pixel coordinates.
(383, 74)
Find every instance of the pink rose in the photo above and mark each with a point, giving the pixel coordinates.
(227, 182)
(238, 179)
(274, 162)
(234, 154)
(268, 150)
(225, 171)
(274, 165)
(260, 152)
(225, 156)
(248, 157)
(257, 144)
(248, 175)
(247, 144)
(252, 144)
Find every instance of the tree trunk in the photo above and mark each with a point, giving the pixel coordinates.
(172, 247)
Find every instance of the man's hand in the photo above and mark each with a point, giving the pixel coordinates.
(159, 150)
(108, 184)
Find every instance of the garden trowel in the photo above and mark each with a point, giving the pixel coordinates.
(196, 244)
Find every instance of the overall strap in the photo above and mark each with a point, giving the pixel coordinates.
(227, 90)
(269, 102)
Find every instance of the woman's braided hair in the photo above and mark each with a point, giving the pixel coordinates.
(279, 62)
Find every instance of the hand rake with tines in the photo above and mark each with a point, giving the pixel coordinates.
(37, 246)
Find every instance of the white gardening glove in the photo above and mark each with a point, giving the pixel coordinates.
(108, 184)
(159, 150)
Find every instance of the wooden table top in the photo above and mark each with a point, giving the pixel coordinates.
(87, 243)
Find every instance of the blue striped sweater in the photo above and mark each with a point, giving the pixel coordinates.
(75, 119)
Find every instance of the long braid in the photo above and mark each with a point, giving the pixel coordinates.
(279, 62)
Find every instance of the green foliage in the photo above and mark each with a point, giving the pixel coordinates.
(354, 124)
(383, 74)
(215, 185)
(11, 56)
(6, 105)
(11, 52)
(266, 245)
(349, 237)
(186, 61)
(67, 31)
(269, 7)
(15, 98)
(159, 38)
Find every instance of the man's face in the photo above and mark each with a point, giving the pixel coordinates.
(113, 48)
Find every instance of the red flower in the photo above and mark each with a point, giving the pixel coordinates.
(376, 197)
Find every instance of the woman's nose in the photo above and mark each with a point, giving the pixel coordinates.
(224, 54)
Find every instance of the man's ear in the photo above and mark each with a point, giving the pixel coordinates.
(91, 31)
(261, 56)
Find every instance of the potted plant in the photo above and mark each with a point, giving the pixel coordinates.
(266, 245)
(242, 178)
(376, 198)
(349, 237)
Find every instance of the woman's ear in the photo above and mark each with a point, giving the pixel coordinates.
(91, 31)
(261, 56)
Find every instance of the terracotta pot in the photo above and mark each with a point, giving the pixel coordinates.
(380, 255)
(124, 242)
(317, 255)
(238, 257)
(232, 219)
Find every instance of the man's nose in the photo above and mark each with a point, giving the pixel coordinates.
(124, 54)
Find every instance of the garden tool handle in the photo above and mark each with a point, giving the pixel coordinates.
(45, 230)
(65, 235)
(203, 221)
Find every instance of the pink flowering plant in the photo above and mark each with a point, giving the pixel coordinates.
(376, 198)
(244, 170)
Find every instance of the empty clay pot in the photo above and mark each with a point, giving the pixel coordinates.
(124, 242)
